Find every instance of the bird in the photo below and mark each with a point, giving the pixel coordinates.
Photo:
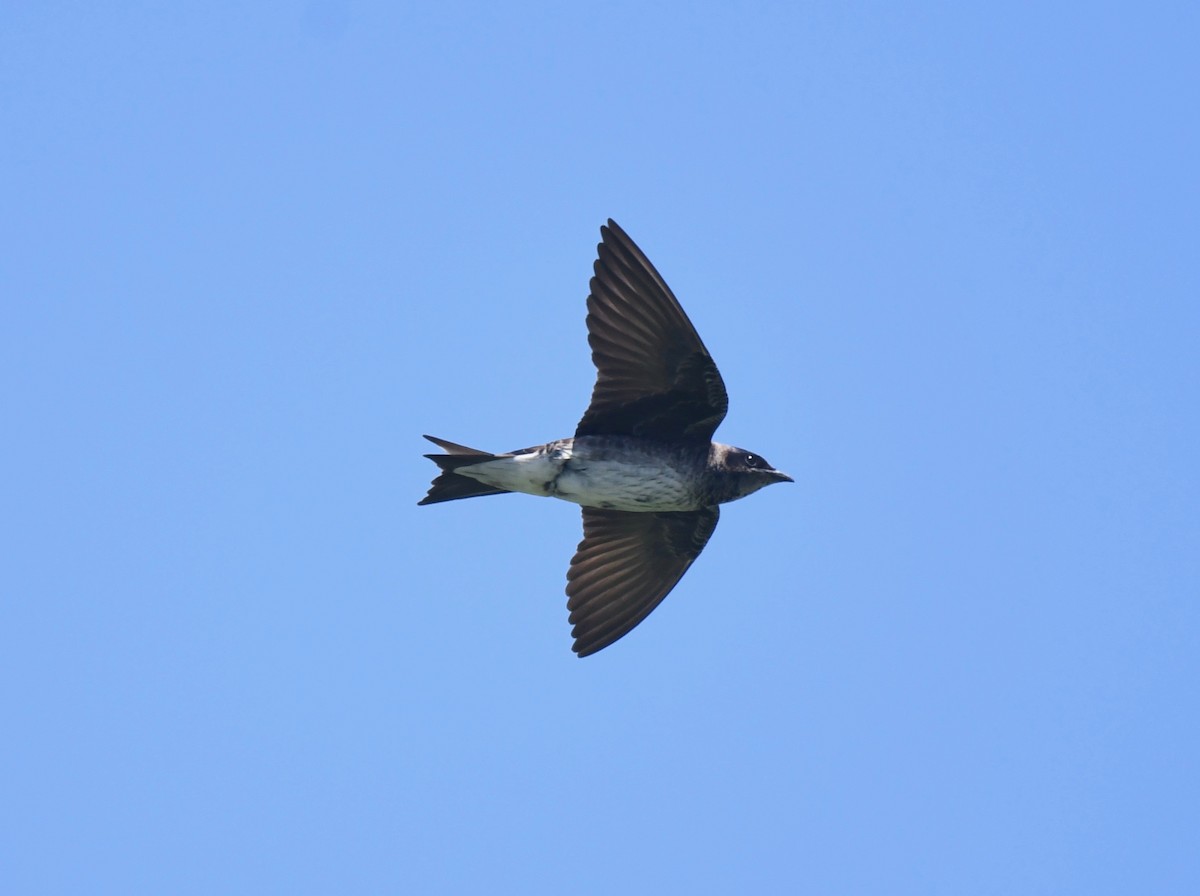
(642, 464)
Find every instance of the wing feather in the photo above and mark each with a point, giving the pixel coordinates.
(654, 377)
(624, 567)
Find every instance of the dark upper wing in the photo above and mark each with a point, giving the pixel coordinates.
(654, 377)
(625, 565)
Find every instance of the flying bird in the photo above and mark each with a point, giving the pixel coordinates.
(642, 462)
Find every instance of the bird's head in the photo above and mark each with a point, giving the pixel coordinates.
(742, 472)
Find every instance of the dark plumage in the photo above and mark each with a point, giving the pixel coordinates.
(641, 463)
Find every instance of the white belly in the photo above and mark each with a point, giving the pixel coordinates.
(625, 484)
(618, 485)
(533, 473)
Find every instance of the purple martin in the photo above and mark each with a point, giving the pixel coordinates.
(642, 462)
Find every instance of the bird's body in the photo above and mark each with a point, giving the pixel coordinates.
(618, 473)
(641, 463)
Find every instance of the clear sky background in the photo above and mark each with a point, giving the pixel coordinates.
(946, 256)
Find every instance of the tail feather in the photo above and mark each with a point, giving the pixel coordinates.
(450, 486)
(455, 448)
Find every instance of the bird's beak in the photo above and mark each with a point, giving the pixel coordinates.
(781, 477)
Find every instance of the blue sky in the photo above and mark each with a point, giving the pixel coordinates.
(946, 257)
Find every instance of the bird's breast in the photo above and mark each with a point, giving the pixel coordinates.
(626, 477)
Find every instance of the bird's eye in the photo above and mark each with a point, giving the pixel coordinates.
(753, 461)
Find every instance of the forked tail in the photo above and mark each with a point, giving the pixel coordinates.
(450, 486)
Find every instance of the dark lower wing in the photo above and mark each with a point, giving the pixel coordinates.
(625, 565)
